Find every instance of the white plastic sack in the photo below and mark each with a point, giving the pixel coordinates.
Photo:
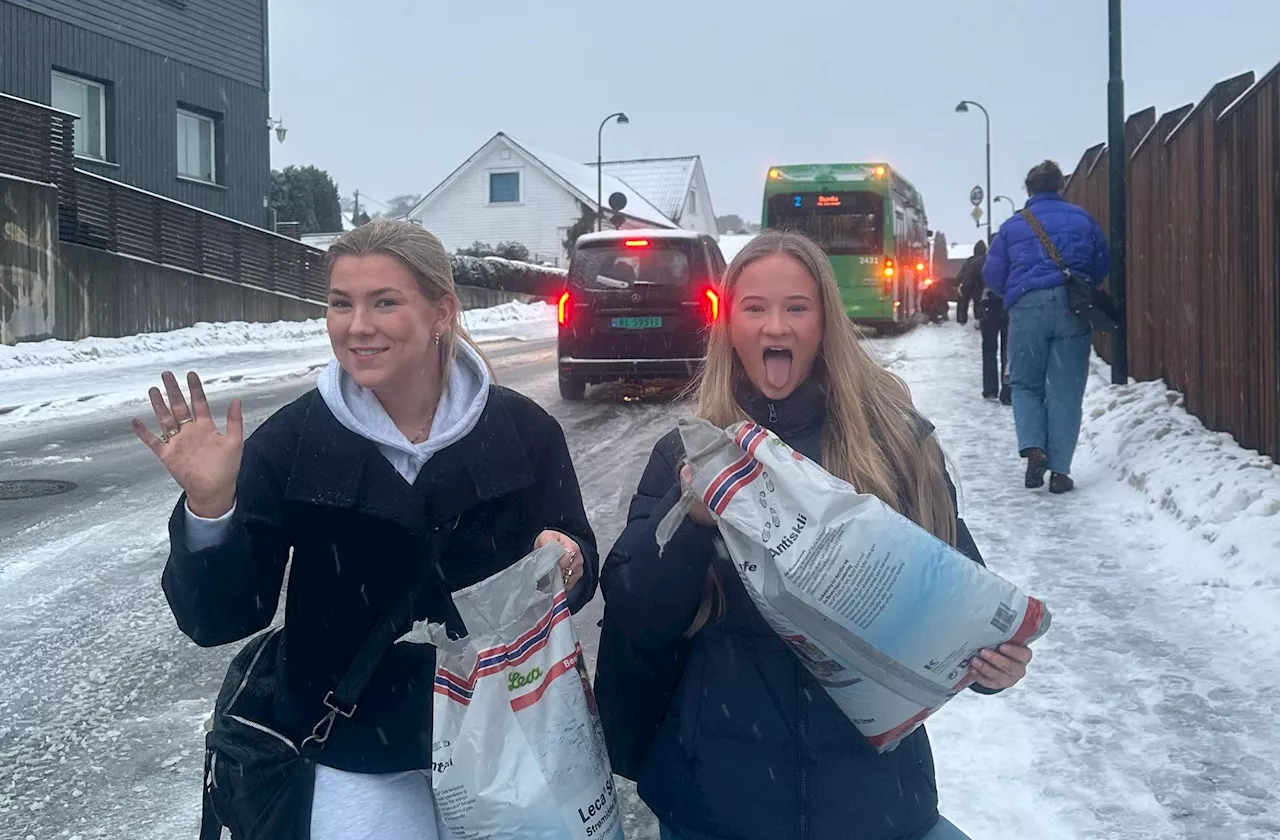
(518, 751)
(883, 614)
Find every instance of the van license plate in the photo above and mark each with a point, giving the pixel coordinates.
(650, 323)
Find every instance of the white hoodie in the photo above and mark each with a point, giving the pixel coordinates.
(461, 403)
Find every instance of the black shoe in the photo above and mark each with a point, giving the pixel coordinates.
(1006, 396)
(1060, 483)
(1036, 466)
(988, 395)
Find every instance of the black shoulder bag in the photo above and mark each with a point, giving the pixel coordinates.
(258, 783)
(1083, 298)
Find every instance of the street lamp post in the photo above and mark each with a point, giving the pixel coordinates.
(1013, 208)
(963, 108)
(622, 120)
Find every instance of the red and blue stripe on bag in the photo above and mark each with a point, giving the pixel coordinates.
(743, 471)
(495, 659)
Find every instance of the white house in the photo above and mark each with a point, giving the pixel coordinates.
(509, 191)
(677, 186)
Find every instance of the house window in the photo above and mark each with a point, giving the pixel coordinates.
(196, 138)
(504, 187)
(693, 203)
(88, 101)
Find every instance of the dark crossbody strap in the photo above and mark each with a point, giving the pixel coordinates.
(1049, 247)
(342, 699)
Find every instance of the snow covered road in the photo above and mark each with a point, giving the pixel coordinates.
(1149, 712)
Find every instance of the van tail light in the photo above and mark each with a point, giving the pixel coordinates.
(713, 305)
(637, 243)
(562, 309)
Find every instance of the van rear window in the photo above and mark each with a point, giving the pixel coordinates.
(619, 266)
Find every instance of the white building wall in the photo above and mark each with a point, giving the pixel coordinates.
(698, 213)
(461, 214)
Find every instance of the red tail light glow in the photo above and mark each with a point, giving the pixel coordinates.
(713, 304)
(919, 266)
(636, 243)
(928, 281)
(562, 309)
(889, 268)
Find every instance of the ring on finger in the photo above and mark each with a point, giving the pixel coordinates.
(182, 423)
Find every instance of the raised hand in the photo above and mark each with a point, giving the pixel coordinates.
(203, 460)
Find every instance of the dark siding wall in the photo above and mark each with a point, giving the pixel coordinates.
(144, 90)
(227, 37)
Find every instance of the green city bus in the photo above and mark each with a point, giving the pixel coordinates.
(870, 222)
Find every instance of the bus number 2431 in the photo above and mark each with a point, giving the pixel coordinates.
(868, 260)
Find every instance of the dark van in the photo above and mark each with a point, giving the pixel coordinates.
(637, 305)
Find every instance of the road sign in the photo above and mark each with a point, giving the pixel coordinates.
(617, 201)
(976, 195)
(977, 214)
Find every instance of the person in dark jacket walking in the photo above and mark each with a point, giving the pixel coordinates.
(1049, 362)
(968, 280)
(406, 432)
(751, 747)
(992, 320)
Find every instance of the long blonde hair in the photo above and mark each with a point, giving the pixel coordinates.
(872, 435)
(424, 255)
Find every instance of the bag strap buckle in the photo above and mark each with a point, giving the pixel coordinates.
(320, 732)
(333, 707)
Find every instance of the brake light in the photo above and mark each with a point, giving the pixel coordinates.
(889, 268)
(928, 281)
(919, 266)
(713, 304)
(637, 243)
(562, 309)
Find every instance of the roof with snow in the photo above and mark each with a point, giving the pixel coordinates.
(579, 179)
(582, 179)
(664, 182)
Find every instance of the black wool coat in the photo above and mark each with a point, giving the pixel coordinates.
(312, 490)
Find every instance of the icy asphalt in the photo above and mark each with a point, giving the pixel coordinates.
(1145, 714)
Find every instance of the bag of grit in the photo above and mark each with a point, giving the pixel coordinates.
(884, 615)
(518, 752)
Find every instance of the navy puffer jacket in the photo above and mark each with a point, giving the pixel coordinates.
(1017, 263)
(752, 748)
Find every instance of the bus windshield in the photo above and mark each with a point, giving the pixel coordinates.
(843, 223)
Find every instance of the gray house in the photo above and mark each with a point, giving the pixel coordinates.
(171, 95)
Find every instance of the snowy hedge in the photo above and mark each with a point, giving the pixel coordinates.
(508, 276)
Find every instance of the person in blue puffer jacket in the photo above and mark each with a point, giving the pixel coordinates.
(1049, 344)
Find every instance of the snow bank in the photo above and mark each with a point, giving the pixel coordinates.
(1226, 495)
(526, 321)
(237, 335)
(515, 320)
(48, 380)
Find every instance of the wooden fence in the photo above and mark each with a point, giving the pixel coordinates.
(1203, 268)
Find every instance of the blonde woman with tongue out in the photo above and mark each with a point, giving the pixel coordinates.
(733, 739)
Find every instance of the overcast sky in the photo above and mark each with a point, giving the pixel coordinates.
(390, 96)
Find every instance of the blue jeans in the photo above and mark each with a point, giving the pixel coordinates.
(944, 830)
(1048, 367)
